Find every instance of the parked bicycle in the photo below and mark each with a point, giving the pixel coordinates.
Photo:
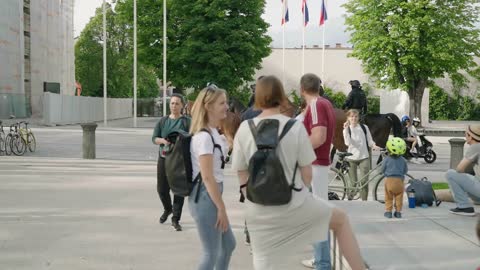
(339, 184)
(27, 136)
(17, 144)
(2, 140)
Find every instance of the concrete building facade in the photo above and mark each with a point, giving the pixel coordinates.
(36, 52)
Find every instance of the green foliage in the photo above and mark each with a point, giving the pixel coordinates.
(295, 98)
(208, 40)
(241, 94)
(456, 107)
(338, 98)
(89, 60)
(407, 44)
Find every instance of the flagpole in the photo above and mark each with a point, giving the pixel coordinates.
(283, 54)
(303, 46)
(323, 54)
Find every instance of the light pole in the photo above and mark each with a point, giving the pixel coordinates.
(164, 57)
(135, 63)
(104, 63)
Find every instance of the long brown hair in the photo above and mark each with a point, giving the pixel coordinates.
(205, 98)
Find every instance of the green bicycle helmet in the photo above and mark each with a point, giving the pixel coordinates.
(396, 146)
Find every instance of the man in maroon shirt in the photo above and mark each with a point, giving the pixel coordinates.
(320, 124)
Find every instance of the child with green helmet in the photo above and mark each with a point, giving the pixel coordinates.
(394, 168)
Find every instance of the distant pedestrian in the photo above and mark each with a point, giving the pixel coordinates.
(208, 149)
(461, 181)
(166, 125)
(356, 99)
(394, 168)
(251, 112)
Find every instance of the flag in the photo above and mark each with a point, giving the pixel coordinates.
(305, 12)
(323, 14)
(284, 11)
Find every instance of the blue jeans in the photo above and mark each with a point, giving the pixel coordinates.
(321, 253)
(462, 186)
(217, 246)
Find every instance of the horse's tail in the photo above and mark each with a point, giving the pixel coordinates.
(396, 124)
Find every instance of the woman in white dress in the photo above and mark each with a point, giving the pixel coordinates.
(278, 231)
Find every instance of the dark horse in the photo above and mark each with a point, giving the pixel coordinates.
(378, 124)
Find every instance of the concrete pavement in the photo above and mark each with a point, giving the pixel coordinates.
(63, 213)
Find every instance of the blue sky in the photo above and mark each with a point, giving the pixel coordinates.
(84, 9)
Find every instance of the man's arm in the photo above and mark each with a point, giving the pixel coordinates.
(318, 136)
(463, 165)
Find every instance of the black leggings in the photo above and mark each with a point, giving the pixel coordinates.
(163, 190)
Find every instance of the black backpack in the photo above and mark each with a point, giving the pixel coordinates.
(267, 184)
(178, 164)
(423, 192)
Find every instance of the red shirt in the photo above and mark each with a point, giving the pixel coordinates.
(320, 113)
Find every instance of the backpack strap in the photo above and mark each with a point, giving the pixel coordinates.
(215, 145)
(253, 129)
(364, 132)
(286, 128)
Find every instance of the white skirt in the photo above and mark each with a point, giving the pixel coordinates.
(277, 232)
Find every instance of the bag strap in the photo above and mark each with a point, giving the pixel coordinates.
(286, 128)
(364, 132)
(215, 145)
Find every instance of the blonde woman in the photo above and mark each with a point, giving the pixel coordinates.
(277, 232)
(207, 208)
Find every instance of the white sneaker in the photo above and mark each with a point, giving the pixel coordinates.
(308, 263)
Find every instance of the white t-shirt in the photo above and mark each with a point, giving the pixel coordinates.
(202, 144)
(294, 147)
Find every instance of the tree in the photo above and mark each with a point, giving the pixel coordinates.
(408, 43)
(89, 60)
(216, 41)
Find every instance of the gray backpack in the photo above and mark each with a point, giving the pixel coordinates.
(423, 190)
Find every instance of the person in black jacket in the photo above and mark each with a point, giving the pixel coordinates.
(356, 98)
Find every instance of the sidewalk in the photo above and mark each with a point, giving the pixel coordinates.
(64, 213)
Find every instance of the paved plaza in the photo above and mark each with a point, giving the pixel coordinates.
(62, 212)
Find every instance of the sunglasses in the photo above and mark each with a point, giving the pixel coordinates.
(211, 88)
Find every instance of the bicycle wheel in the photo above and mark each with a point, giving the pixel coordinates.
(336, 183)
(18, 145)
(8, 144)
(31, 142)
(2, 144)
(379, 189)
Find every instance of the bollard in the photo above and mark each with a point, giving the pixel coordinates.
(456, 151)
(89, 140)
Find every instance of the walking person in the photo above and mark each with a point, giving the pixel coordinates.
(394, 167)
(277, 231)
(320, 123)
(207, 150)
(359, 141)
(166, 125)
(462, 182)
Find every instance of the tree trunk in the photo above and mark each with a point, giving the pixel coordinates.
(415, 95)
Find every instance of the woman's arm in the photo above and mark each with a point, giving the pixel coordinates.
(208, 179)
(306, 173)
(243, 179)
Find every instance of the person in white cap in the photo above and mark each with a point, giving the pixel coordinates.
(462, 183)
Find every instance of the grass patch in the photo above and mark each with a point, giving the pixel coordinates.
(437, 186)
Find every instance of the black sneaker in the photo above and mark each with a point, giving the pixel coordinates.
(176, 226)
(388, 214)
(397, 215)
(164, 217)
(467, 211)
